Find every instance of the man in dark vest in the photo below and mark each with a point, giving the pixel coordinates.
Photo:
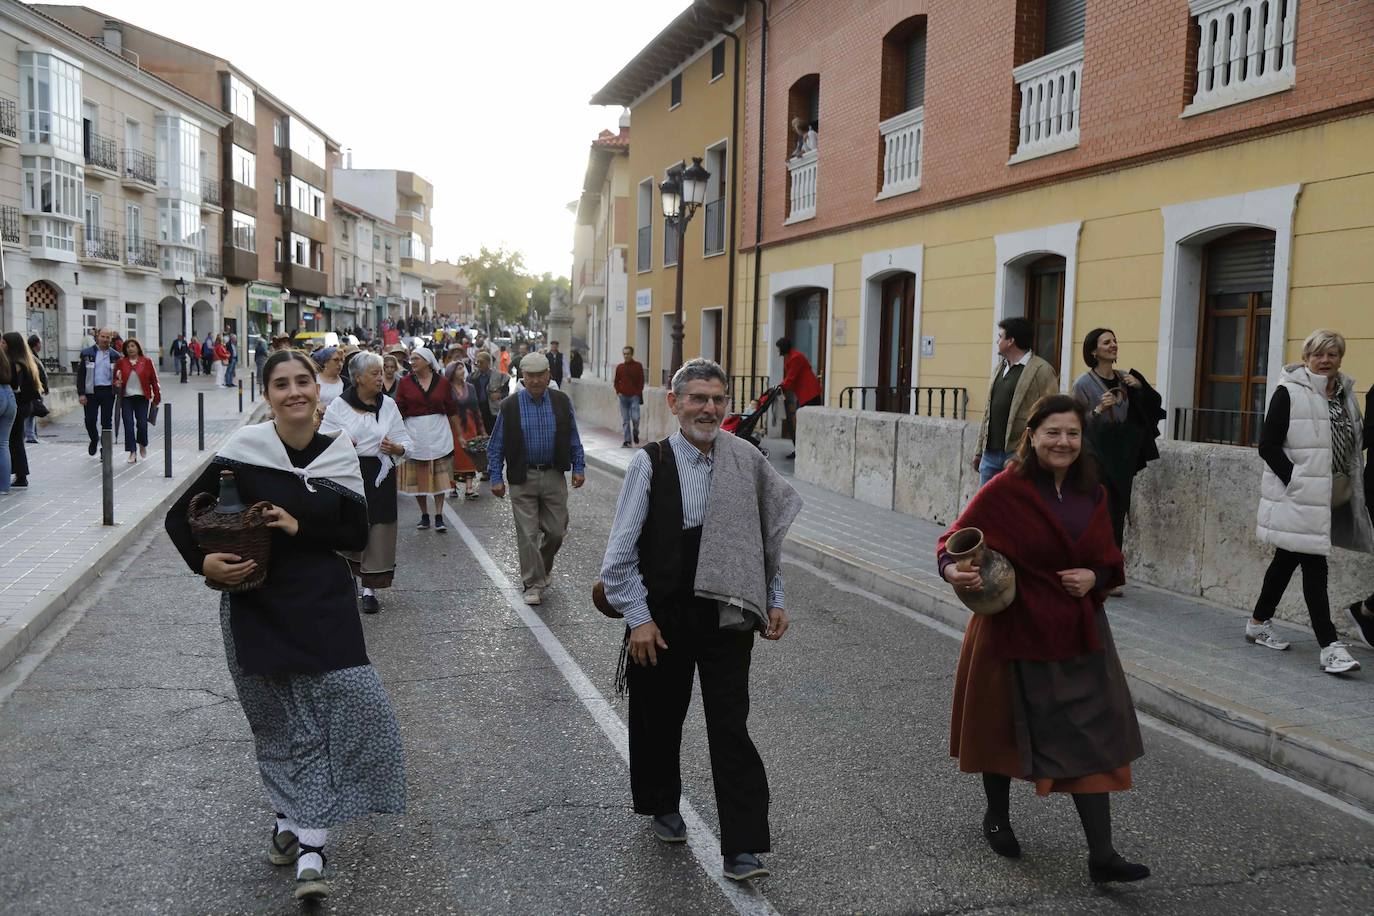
(693, 565)
(535, 439)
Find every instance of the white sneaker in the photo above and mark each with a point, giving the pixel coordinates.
(1262, 634)
(1336, 659)
(532, 596)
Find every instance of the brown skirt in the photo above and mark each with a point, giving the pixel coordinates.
(1067, 726)
(425, 478)
(375, 564)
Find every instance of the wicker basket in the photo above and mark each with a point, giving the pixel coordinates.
(243, 533)
(476, 448)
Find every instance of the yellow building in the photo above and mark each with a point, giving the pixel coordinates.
(685, 94)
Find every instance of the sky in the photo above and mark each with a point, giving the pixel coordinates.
(488, 101)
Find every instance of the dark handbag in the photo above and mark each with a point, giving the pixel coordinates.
(152, 414)
(602, 603)
(37, 408)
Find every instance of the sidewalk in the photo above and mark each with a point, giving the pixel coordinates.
(1187, 659)
(52, 542)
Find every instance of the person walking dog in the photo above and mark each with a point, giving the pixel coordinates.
(533, 444)
(693, 564)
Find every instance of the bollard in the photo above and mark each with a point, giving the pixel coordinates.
(253, 388)
(240, 395)
(107, 476)
(200, 420)
(166, 440)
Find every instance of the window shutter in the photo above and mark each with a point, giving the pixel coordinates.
(915, 70)
(1241, 267)
(1063, 23)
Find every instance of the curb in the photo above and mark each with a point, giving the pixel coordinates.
(1332, 766)
(19, 633)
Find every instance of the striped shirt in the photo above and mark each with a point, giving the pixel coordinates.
(537, 427)
(620, 569)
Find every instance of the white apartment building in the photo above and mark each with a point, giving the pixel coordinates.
(109, 198)
(405, 200)
(600, 282)
(367, 277)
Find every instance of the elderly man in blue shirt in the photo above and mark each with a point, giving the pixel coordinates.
(95, 385)
(533, 444)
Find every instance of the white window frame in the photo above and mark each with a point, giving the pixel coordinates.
(66, 184)
(300, 249)
(243, 166)
(58, 125)
(241, 99)
(306, 143)
(722, 147)
(644, 216)
(1016, 250)
(243, 233)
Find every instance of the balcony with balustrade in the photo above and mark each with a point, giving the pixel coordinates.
(208, 267)
(1244, 51)
(902, 136)
(801, 187)
(140, 254)
(140, 171)
(1050, 88)
(98, 247)
(210, 198)
(102, 156)
(713, 226)
(591, 282)
(9, 122)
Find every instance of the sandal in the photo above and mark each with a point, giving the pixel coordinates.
(286, 848)
(310, 882)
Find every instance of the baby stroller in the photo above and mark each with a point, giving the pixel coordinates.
(743, 424)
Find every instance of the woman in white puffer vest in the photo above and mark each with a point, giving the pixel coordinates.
(1312, 495)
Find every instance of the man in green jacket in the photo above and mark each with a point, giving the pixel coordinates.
(1020, 379)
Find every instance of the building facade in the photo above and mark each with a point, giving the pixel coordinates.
(685, 94)
(366, 269)
(1192, 175)
(601, 250)
(108, 205)
(405, 200)
(272, 177)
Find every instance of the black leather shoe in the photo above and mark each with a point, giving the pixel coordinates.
(1000, 838)
(743, 866)
(370, 604)
(92, 448)
(1116, 869)
(670, 828)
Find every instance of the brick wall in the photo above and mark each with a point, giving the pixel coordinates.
(1139, 61)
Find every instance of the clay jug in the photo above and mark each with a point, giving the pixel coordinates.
(967, 548)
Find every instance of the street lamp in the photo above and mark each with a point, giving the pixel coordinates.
(185, 326)
(529, 308)
(682, 193)
(491, 296)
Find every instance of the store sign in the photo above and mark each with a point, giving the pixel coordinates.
(644, 300)
(266, 300)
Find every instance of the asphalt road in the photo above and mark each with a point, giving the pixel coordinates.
(127, 782)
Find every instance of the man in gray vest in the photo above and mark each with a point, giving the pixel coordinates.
(1020, 379)
(533, 444)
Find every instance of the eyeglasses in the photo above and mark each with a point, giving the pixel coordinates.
(701, 400)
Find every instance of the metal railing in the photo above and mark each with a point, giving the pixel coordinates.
(951, 403)
(644, 248)
(9, 224)
(9, 118)
(99, 244)
(715, 226)
(746, 388)
(1218, 427)
(101, 152)
(140, 166)
(208, 265)
(140, 252)
(209, 192)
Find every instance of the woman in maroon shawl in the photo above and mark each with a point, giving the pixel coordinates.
(1040, 694)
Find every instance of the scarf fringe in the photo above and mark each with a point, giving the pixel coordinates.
(622, 671)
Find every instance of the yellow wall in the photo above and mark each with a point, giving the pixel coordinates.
(660, 138)
(1120, 256)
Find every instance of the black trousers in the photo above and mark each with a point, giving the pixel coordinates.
(659, 697)
(101, 401)
(1276, 579)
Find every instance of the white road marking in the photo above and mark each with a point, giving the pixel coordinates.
(1159, 725)
(745, 898)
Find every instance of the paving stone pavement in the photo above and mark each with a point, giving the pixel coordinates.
(1278, 706)
(51, 536)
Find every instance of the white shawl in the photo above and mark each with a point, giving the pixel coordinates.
(260, 446)
(366, 432)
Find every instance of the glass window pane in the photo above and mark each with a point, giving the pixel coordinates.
(1261, 345)
(1222, 395)
(1226, 334)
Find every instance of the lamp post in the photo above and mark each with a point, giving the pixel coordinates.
(185, 326)
(682, 194)
(529, 309)
(491, 295)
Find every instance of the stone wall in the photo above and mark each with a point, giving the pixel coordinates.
(1192, 525)
(596, 404)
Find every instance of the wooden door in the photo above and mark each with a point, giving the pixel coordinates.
(898, 319)
(1045, 307)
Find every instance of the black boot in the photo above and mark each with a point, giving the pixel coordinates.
(997, 820)
(1105, 864)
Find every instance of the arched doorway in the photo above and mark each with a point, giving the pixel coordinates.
(169, 325)
(202, 318)
(41, 302)
(804, 323)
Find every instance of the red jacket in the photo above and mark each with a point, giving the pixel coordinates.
(147, 376)
(798, 378)
(221, 353)
(195, 347)
(629, 378)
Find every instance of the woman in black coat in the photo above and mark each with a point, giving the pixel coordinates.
(27, 389)
(1361, 613)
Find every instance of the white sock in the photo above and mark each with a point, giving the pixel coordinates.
(368, 593)
(311, 837)
(285, 824)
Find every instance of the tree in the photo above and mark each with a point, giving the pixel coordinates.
(498, 281)
(543, 288)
